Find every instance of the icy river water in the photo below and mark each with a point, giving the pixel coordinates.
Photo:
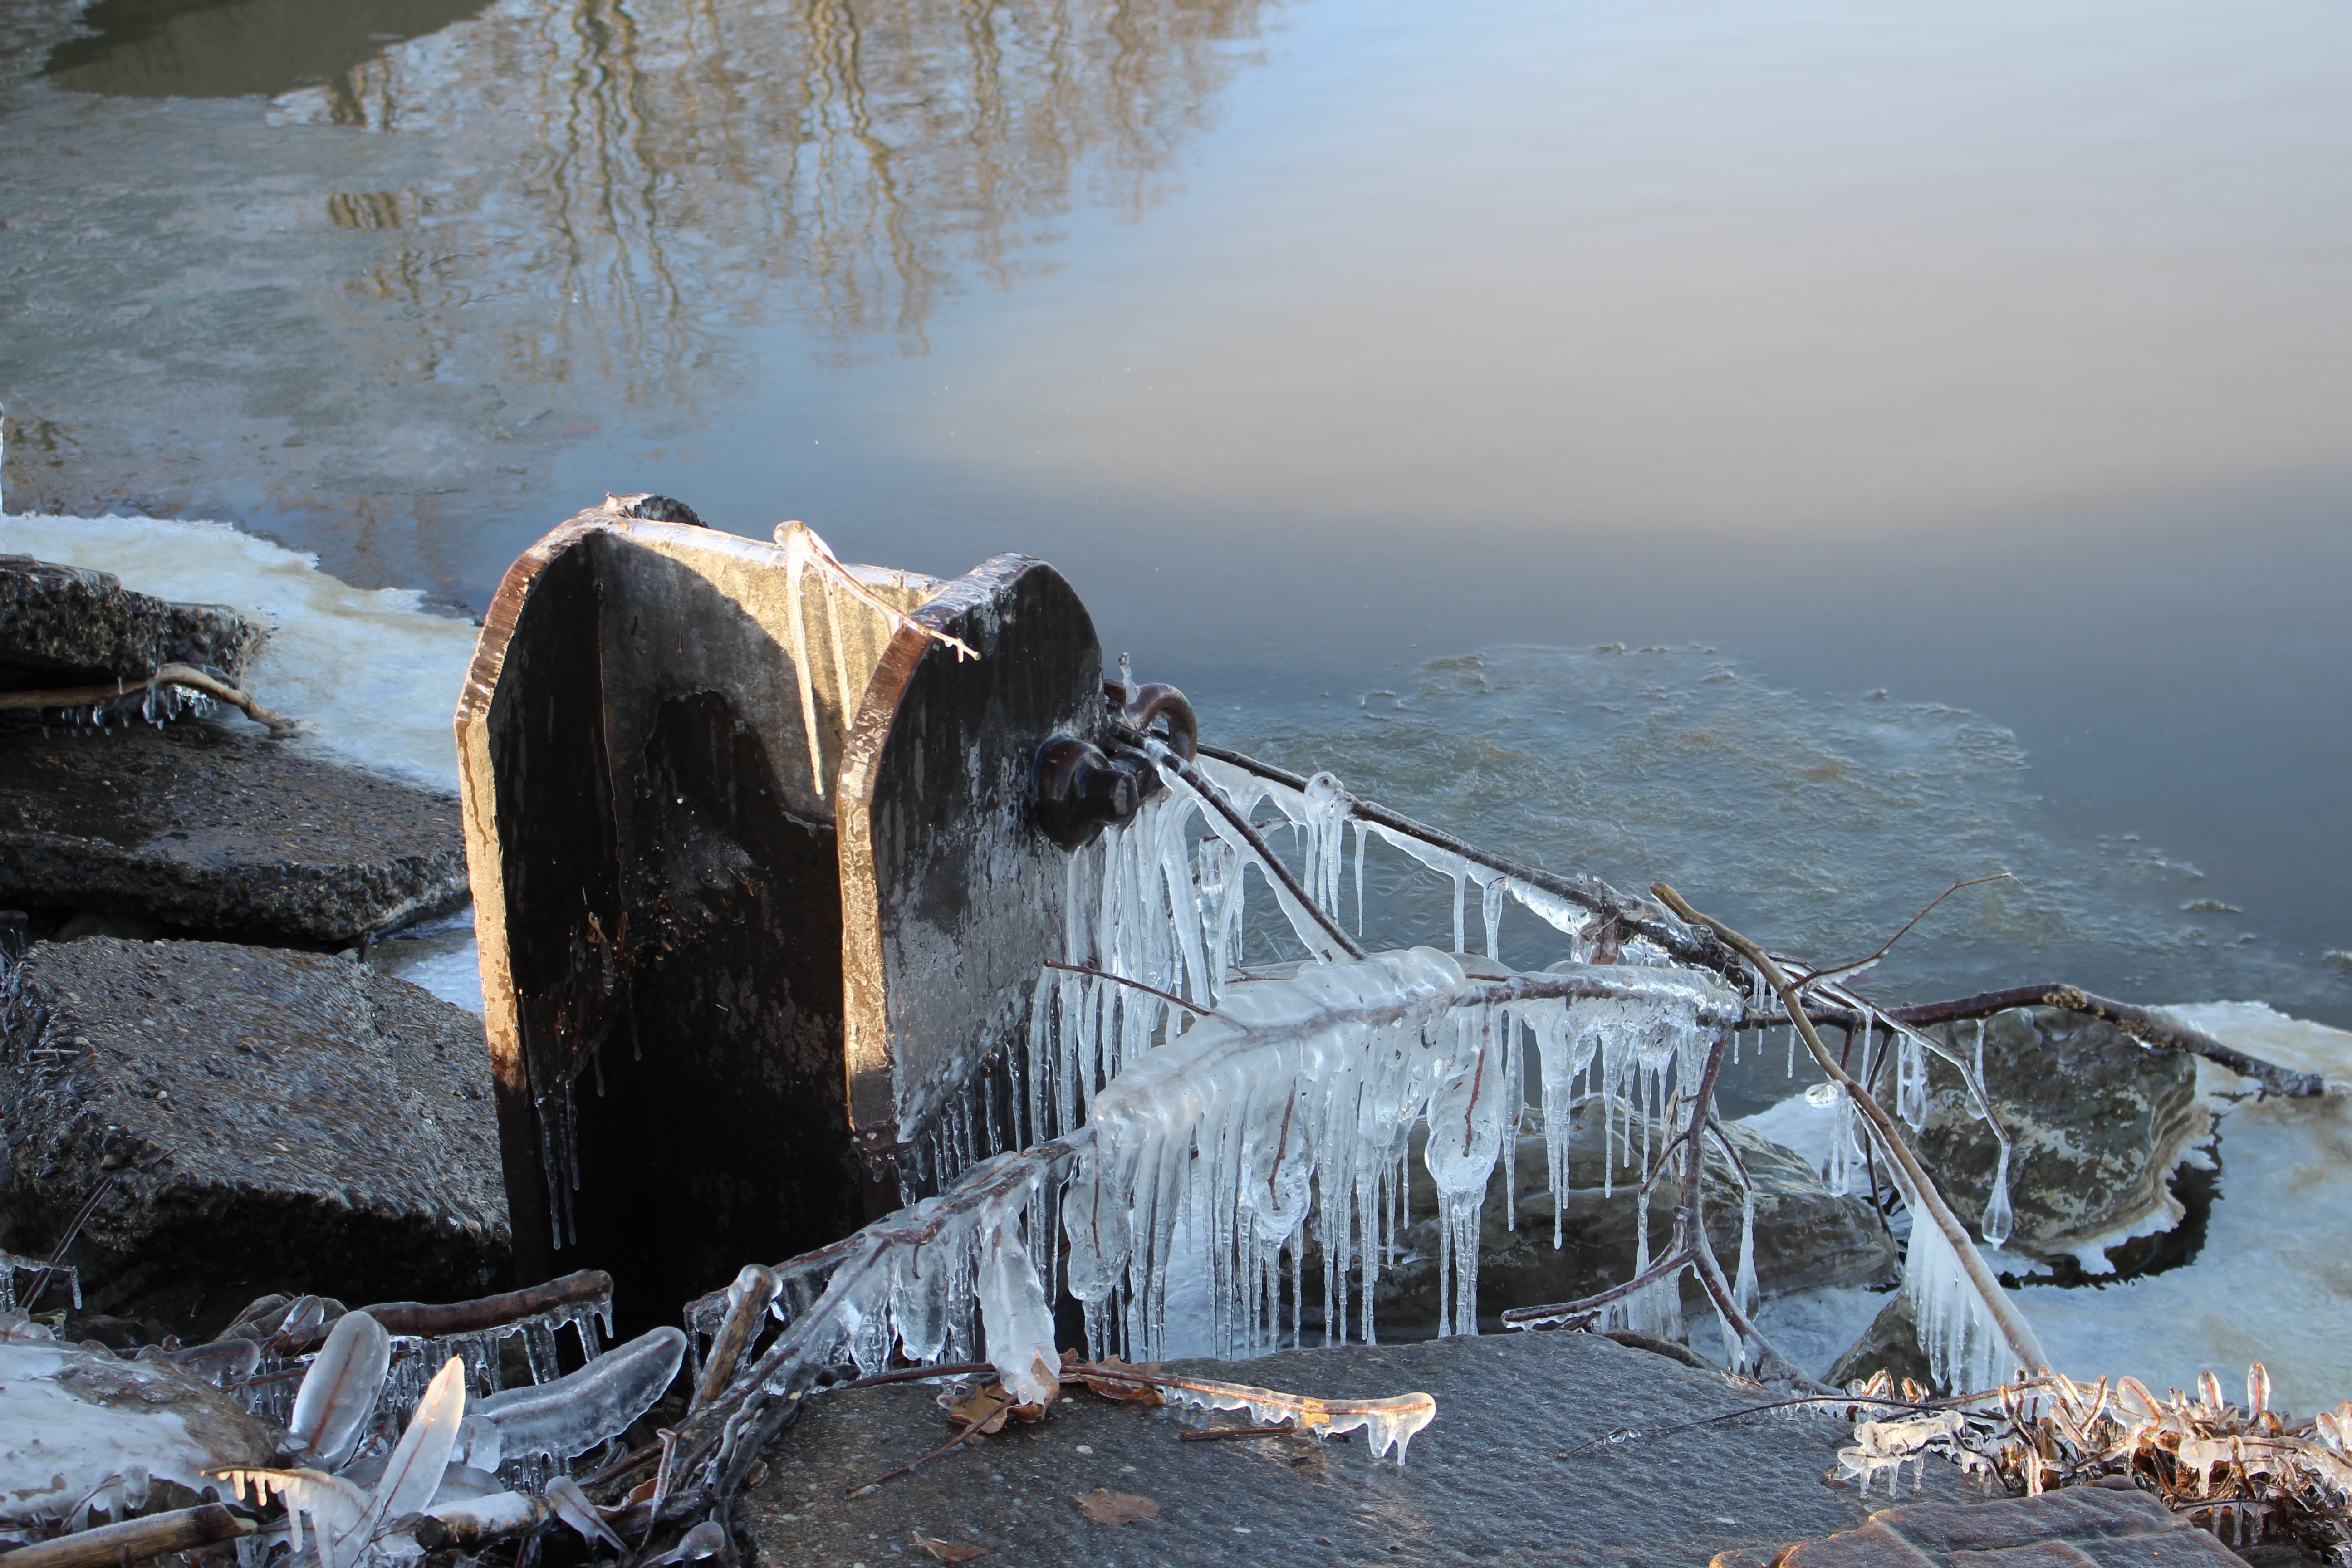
(1810, 452)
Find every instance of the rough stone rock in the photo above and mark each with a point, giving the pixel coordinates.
(1488, 1481)
(2080, 1526)
(1890, 1344)
(74, 1422)
(2099, 1122)
(1805, 1238)
(270, 1120)
(204, 827)
(68, 625)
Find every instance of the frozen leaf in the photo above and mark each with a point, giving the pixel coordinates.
(1108, 1388)
(413, 1472)
(573, 1507)
(339, 1393)
(948, 1551)
(1117, 1507)
(985, 1408)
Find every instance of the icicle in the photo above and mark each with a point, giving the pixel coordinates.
(1910, 1081)
(1494, 913)
(1998, 1216)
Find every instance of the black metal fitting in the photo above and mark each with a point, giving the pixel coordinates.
(1076, 789)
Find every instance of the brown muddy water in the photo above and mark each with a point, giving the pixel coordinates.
(1946, 413)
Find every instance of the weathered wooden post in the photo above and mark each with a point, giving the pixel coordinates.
(756, 886)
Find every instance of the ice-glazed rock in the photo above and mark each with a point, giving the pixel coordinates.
(212, 828)
(69, 625)
(72, 1418)
(2098, 1122)
(267, 1119)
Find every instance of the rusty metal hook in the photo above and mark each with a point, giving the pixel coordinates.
(1138, 706)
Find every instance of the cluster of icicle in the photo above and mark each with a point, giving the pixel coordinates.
(1269, 1118)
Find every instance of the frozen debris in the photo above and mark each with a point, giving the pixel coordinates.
(84, 1433)
(21, 1278)
(1386, 1422)
(573, 1414)
(2252, 1475)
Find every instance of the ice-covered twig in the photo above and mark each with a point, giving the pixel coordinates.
(574, 1414)
(1268, 861)
(756, 1285)
(1638, 916)
(2150, 1025)
(1387, 1423)
(1093, 973)
(136, 1540)
(1919, 1188)
(186, 676)
(590, 1289)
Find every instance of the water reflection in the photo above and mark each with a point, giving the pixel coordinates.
(234, 49)
(654, 175)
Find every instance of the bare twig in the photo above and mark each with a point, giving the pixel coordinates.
(1123, 980)
(971, 1434)
(81, 1217)
(1834, 970)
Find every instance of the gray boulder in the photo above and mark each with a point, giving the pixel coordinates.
(1804, 1237)
(68, 625)
(204, 826)
(252, 1120)
(2099, 1124)
(1891, 1344)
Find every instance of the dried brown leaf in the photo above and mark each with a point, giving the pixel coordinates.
(985, 1408)
(1103, 1387)
(948, 1551)
(1116, 1508)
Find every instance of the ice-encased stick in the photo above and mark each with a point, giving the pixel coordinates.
(755, 1287)
(1388, 1422)
(573, 1414)
(339, 1393)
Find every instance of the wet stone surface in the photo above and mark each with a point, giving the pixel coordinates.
(1484, 1483)
(268, 1121)
(212, 827)
(62, 626)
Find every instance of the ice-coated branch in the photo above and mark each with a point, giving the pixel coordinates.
(1918, 1188)
(2150, 1026)
(588, 1289)
(1567, 1314)
(574, 1414)
(186, 676)
(1387, 1423)
(1237, 825)
(1636, 915)
(136, 1540)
